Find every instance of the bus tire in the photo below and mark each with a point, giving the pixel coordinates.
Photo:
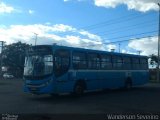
(79, 89)
(128, 84)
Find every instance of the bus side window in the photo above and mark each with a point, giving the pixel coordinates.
(48, 59)
(117, 62)
(79, 60)
(93, 61)
(61, 64)
(126, 63)
(144, 63)
(135, 63)
(106, 62)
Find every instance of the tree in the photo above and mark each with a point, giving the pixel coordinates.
(14, 57)
(154, 60)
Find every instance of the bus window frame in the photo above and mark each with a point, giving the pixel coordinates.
(107, 63)
(127, 65)
(144, 63)
(58, 69)
(80, 60)
(95, 64)
(115, 63)
(134, 65)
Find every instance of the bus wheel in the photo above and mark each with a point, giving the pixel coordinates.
(78, 89)
(128, 84)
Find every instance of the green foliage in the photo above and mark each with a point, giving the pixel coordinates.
(14, 57)
(154, 60)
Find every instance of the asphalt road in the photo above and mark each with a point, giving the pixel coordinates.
(144, 99)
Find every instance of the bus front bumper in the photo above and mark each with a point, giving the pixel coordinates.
(39, 87)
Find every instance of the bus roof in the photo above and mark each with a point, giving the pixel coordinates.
(91, 51)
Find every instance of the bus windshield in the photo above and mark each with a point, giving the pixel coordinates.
(38, 65)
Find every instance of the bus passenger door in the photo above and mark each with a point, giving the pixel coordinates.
(61, 68)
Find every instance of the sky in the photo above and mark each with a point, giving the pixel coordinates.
(93, 24)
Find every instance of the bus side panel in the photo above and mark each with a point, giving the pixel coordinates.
(140, 77)
(65, 83)
(112, 79)
(65, 86)
(92, 80)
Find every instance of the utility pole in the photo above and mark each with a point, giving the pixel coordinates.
(158, 45)
(1, 61)
(119, 47)
(36, 38)
(139, 52)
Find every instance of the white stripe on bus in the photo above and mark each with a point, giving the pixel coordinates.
(108, 71)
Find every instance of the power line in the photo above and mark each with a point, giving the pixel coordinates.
(125, 18)
(101, 23)
(114, 21)
(132, 35)
(120, 41)
(127, 27)
(120, 31)
(138, 38)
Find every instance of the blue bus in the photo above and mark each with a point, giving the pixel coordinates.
(54, 69)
